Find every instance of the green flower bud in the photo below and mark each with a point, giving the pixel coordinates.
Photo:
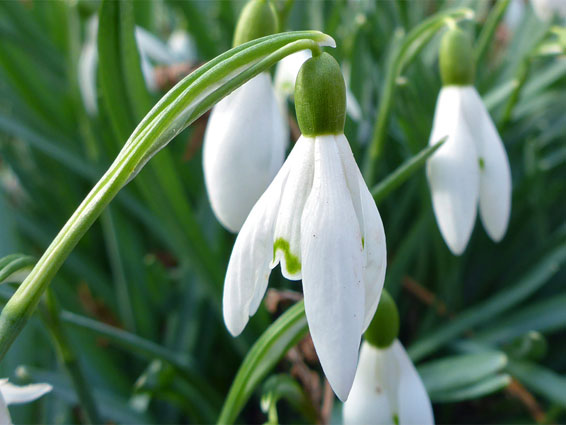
(320, 97)
(258, 19)
(384, 327)
(456, 58)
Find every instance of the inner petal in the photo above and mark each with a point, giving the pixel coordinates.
(287, 240)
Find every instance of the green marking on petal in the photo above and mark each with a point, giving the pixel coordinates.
(396, 419)
(363, 243)
(482, 163)
(291, 261)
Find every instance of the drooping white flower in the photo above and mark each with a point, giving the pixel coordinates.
(546, 9)
(244, 147)
(470, 167)
(387, 390)
(13, 394)
(319, 221)
(247, 133)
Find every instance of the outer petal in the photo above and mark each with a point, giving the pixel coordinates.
(248, 268)
(413, 400)
(287, 241)
(244, 147)
(14, 394)
(332, 269)
(368, 402)
(373, 234)
(452, 171)
(495, 175)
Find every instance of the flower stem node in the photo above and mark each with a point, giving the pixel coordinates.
(384, 327)
(257, 19)
(456, 57)
(320, 97)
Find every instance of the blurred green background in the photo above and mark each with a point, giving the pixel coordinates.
(140, 296)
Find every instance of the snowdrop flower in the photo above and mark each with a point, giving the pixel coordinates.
(179, 48)
(546, 9)
(13, 394)
(387, 388)
(286, 75)
(247, 134)
(472, 165)
(319, 221)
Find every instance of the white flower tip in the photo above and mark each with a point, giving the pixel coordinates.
(456, 245)
(342, 385)
(14, 394)
(235, 324)
(495, 233)
(327, 41)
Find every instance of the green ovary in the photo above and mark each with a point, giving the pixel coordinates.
(292, 262)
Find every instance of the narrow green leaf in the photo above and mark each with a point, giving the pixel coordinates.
(544, 316)
(262, 357)
(459, 371)
(14, 263)
(403, 172)
(496, 304)
(479, 389)
(116, 407)
(541, 380)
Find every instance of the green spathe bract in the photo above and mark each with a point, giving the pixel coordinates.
(258, 19)
(320, 97)
(384, 327)
(456, 57)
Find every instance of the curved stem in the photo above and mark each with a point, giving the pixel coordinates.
(182, 105)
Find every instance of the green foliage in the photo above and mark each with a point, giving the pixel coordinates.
(140, 295)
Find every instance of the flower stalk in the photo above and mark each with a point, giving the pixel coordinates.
(410, 46)
(182, 105)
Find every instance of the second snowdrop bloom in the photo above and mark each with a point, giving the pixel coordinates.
(387, 389)
(472, 166)
(319, 221)
(247, 134)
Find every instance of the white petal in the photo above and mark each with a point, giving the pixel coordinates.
(495, 175)
(373, 234)
(248, 268)
(13, 394)
(375, 253)
(287, 240)
(331, 249)
(87, 64)
(353, 108)
(287, 71)
(5, 418)
(413, 400)
(368, 402)
(453, 171)
(244, 147)
(182, 46)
